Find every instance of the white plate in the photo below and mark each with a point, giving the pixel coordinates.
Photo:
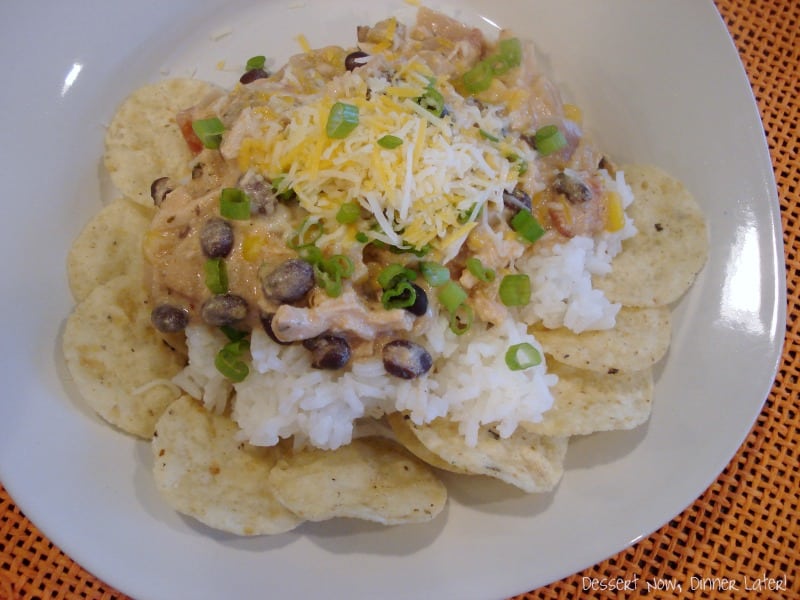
(660, 82)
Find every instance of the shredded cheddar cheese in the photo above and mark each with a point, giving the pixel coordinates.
(417, 193)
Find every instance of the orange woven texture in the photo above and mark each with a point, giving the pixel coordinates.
(747, 524)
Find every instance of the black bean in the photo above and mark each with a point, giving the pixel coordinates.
(420, 306)
(517, 200)
(159, 190)
(575, 190)
(253, 74)
(289, 282)
(259, 190)
(328, 351)
(169, 318)
(266, 323)
(355, 59)
(406, 359)
(224, 309)
(216, 238)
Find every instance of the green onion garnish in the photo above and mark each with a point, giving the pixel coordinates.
(488, 136)
(526, 225)
(228, 360)
(548, 139)
(402, 295)
(339, 264)
(342, 120)
(349, 212)
(394, 274)
(515, 290)
(508, 55)
(434, 273)
(451, 295)
(283, 191)
(255, 62)
(478, 78)
(362, 237)
(522, 356)
(330, 282)
(233, 334)
(310, 253)
(209, 132)
(475, 266)
(307, 234)
(390, 142)
(461, 319)
(234, 204)
(432, 100)
(216, 275)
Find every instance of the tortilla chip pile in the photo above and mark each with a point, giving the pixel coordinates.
(123, 367)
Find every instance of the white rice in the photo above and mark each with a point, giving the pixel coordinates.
(561, 276)
(470, 382)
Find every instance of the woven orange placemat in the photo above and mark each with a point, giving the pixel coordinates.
(746, 524)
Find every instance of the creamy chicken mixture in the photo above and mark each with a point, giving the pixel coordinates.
(349, 197)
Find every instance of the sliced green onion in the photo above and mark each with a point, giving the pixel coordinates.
(519, 163)
(451, 295)
(390, 142)
(522, 356)
(283, 191)
(310, 253)
(349, 212)
(434, 273)
(233, 334)
(362, 237)
(432, 100)
(509, 56)
(307, 234)
(234, 204)
(342, 120)
(338, 263)
(255, 62)
(461, 319)
(330, 282)
(216, 276)
(526, 225)
(392, 275)
(475, 266)
(209, 132)
(515, 290)
(478, 78)
(228, 360)
(467, 215)
(488, 136)
(548, 139)
(402, 295)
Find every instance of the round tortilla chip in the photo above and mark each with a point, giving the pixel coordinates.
(657, 265)
(585, 401)
(144, 142)
(109, 245)
(120, 364)
(371, 478)
(531, 462)
(402, 428)
(639, 340)
(203, 471)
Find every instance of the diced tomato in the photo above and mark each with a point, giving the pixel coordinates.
(184, 119)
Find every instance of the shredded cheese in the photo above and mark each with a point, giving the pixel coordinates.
(418, 193)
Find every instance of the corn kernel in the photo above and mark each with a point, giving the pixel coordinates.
(615, 214)
(252, 246)
(573, 113)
